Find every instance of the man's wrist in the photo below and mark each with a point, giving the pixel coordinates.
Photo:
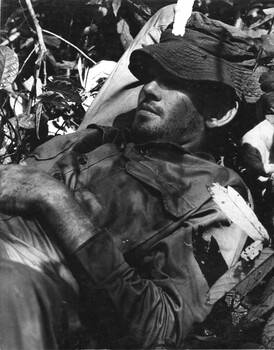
(53, 198)
(65, 219)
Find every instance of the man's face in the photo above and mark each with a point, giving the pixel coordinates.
(166, 112)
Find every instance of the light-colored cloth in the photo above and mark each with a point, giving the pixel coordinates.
(36, 309)
(258, 149)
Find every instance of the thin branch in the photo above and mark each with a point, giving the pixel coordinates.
(41, 54)
(39, 33)
(26, 60)
(69, 43)
(23, 13)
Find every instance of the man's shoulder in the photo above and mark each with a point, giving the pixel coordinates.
(225, 176)
(82, 141)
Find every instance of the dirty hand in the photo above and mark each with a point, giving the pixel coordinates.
(30, 191)
(26, 190)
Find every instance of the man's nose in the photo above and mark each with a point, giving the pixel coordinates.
(152, 89)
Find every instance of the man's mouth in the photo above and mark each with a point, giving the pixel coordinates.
(144, 107)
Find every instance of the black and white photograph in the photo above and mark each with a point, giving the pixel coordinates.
(136, 174)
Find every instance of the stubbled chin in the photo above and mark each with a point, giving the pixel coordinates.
(143, 132)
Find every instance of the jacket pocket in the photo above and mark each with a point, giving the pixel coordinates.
(174, 196)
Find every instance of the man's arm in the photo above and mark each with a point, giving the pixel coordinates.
(27, 190)
(154, 306)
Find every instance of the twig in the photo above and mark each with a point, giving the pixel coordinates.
(43, 48)
(41, 54)
(26, 60)
(69, 43)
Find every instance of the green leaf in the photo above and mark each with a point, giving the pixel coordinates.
(26, 121)
(55, 99)
(116, 4)
(38, 112)
(52, 41)
(66, 88)
(8, 66)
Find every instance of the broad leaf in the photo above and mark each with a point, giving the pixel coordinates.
(141, 8)
(38, 113)
(8, 66)
(66, 88)
(52, 41)
(116, 4)
(64, 64)
(124, 31)
(26, 121)
(51, 98)
(238, 211)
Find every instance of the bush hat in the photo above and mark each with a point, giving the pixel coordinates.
(210, 50)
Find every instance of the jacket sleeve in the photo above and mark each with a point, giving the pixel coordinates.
(157, 301)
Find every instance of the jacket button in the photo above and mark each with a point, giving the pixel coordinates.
(82, 161)
(58, 176)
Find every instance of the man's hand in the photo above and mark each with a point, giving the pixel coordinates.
(25, 190)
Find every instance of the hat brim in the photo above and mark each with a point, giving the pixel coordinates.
(193, 64)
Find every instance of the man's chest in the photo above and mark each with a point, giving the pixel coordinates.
(135, 196)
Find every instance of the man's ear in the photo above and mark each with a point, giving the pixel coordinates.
(227, 118)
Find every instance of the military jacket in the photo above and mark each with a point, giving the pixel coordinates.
(160, 241)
